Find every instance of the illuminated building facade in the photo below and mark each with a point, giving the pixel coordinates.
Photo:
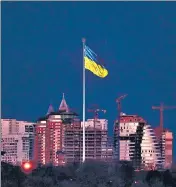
(39, 141)
(166, 146)
(138, 142)
(17, 141)
(50, 135)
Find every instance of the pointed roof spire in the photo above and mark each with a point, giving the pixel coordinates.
(63, 106)
(50, 109)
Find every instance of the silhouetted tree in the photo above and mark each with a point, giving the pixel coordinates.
(153, 177)
(37, 181)
(56, 173)
(167, 178)
(89, 174)
(92, 174)
(127, 174)
(173, 169)
(11, 175)
(140, 176)
(69, 184)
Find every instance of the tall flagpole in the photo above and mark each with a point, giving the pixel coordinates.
(84, 100)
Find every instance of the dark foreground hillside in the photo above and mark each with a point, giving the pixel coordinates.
(90, 174)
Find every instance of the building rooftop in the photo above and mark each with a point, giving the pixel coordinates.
(63, 114)
(63, 110)
(50, 109)
(63, 106)
(131, 118)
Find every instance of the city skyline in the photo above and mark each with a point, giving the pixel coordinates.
(135, 40)
(23, 141)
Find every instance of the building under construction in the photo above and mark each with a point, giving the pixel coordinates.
(72, 142)
(137, 143)
(96, 141)
(165, 141)
(164, 137)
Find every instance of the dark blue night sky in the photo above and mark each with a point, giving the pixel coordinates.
(42, 57)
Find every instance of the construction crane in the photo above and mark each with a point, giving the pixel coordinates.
(118, 101)
(117, 130)
(161, 108)
(96, 112)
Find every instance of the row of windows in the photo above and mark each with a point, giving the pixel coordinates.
(145, 151)
(25, 148)
(9, 140)
(127, 131)
(132, 119)
(12, 154)
(8, 144)
(127, 127)
(29, 128)
(8, 157)
(10, 148)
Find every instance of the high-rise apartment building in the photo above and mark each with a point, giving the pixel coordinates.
(39, 140)
(138, 142)
(72, 142)
(166, 146)
(50, 133)
(17, 140)
(96, 141)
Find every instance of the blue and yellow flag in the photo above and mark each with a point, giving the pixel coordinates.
(91, 64)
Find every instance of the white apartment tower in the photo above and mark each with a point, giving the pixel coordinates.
(17, 141)
(138, 143)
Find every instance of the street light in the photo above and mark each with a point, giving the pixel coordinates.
(27, 167)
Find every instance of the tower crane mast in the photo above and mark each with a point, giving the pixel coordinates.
(161, 108)
(96, 112)
(117, 130)
(118, 101)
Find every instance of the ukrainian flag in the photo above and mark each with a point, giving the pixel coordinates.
(90, 60)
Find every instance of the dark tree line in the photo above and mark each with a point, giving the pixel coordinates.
(89, 174)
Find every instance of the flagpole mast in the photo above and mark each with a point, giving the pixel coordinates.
(84, 100)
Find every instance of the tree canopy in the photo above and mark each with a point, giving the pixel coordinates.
(90, 174)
